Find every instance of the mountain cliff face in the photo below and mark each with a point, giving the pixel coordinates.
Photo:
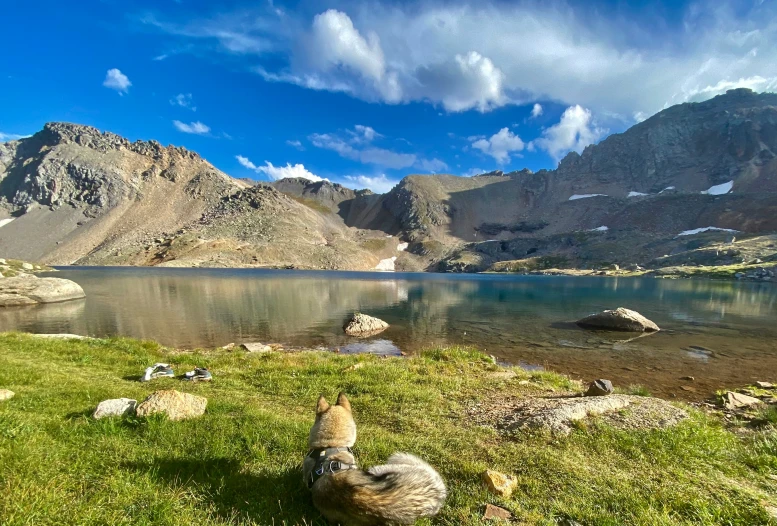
(76, 195)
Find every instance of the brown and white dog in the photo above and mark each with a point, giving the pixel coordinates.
(404, 489)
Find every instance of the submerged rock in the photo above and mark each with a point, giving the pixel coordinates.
(599, 387)
(499, 483)
(176, 405)
(115, 407)
(30, 290)
(363, 325)
(255, 347)
(620, 319)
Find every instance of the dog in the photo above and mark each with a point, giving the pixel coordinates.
(403, 490)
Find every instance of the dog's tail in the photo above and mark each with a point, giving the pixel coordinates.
(406, 488)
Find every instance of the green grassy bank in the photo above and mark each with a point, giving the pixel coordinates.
(239, 463)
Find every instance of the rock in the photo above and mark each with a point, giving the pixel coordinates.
(27, 266)
(765, 385)
(363, 325)
(115, 407)
(613, 267)
(688, 378)
(5, 394)
(619, 319)
(229, 347)
(255, 347)
(499, 483)
(599, 388)
(33, 290)
(176, 405)
(495, 512)
(739, 275)
(3, 261)
(734, 400)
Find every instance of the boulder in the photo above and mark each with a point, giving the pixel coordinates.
(738, 400)
(499, 483)
(619, 319)
(495, 512)
(27, 266)
(32, 290)
(765, 385)
(176, 405)
(5, 394)
(115, 407)
(255, 347)
(363, 325)
(599, 387)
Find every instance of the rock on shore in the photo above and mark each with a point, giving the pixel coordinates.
(620, 319)
(31, 290)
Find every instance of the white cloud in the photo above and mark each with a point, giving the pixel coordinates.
(379, 184)
(473, 172)
(574, 131)
(184, 100)
(500, 145)
(296, 144)
(446, 53)
(279, 172)
(117, 80)
(432, 165)
(196, 128)
(536, 110)
(5, 137)
(361, 134)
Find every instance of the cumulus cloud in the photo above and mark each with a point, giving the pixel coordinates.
(184, 100)
(296, 144)
(116, 80)
(379, 184)
(500, 145)
(536, 110)
(446, 53)
(279, 172)
(574, 131)
(196, 128)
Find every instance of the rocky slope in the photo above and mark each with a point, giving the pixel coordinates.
(87, 197)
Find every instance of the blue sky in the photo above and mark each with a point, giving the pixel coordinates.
(364, 93)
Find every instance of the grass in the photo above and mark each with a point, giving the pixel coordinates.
(715, 272)
(239, 463)
(375, 244)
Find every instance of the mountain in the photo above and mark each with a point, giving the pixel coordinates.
(75, 195)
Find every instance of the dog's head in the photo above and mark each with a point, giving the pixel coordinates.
(334, 425)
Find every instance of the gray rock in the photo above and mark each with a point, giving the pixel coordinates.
(363, 325)
(31, 290)
(255, 347)
(599, 387)
(176, 405)
(27, 266)
(734, 400)
(620, 319)
(115, 407)
(5, 394)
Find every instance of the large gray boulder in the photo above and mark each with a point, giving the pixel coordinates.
(619, 319)
(363, 325)
(30, 290)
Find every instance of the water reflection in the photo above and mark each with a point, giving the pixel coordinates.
(519, 318)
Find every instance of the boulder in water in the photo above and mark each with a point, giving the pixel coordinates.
(619, 319)
(363, 325)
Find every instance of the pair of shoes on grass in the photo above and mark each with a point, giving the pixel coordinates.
(163, 370)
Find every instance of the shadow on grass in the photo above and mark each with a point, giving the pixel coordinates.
(279, 497)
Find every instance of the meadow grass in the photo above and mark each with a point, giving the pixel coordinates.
(240, 462)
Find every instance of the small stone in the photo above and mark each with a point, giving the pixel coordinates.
(499, 483)
(599, 387)
(255, 347)
(495, 512)
(765, 385)
(5, 394)
(176, 405)
(688, 378)
(228, 347)
(115, 407)
(27, 266)
(363, 325)
(738, 400)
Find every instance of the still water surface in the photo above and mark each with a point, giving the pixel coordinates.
(721, 333)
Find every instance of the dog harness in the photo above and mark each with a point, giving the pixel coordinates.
(326, 466)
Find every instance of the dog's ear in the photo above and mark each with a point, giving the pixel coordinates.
(343, 402)
(322, 405)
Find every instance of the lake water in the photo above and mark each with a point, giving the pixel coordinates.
(721, 333)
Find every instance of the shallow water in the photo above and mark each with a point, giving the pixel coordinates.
(721, 333)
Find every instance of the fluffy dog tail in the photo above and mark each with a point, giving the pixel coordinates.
(406, 488)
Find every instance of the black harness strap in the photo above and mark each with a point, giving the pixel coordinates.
(325, 466)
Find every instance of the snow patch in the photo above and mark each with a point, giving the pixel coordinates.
(705, 229)
(402, 246)
(636, 194)
(720, 189)
(600, 229)
(386, 265)
(585, 196)
(4, 222)
(667, 188)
